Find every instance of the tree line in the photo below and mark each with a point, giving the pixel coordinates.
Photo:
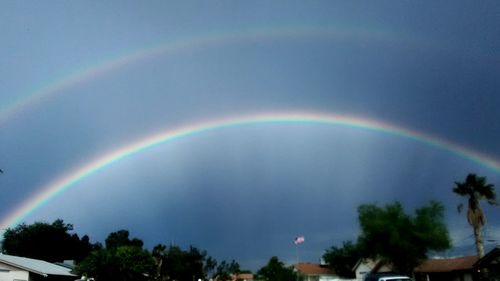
(120, 258)
(387, 233)
(124, 258)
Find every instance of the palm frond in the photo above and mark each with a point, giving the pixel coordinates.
(462, 189)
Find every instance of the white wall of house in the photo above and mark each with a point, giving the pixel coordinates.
(328, 278)
(14, 275)
(366, 266)
(324, 278)
(362, 270)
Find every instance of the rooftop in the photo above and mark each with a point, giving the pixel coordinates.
(447, 265)
(36, 266)
(313, 269)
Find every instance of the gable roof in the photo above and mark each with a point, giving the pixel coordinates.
(492, 257)
(368, 262)
(36, 266)
(447, 265)
(373, 265)
(313, 269)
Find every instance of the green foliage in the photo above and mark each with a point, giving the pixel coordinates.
(177, 264)
(122, 259)
(390, 234)
(275, 270)
(124, 263)
(343, 259)
(49, 242)
(477, 188)
(120, 238)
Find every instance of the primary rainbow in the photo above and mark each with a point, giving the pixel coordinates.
(83, 74)
(71, 178)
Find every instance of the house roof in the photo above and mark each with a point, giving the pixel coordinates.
(373, 265)
(447, 265)
(36, 266)
(313, 269)
(492, 257)
(369, 262)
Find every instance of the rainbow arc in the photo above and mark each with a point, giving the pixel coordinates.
(71, 178)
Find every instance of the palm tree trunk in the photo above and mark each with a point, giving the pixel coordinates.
(479, 241)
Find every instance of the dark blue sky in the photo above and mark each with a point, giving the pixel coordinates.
(244, 193)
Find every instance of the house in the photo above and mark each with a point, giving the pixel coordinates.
(489, 265)
(315, 272)
(26, 269)
(449, 269)
(365, 266)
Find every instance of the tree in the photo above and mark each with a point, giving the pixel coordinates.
(181, 265)
(275, 270)
(157, 253)
(124, 263)
(475, 189)
(120, 238)
(123, 259)
(400, 239)
(49, 242)
(225, 270)
(209, 266)
(343, 259)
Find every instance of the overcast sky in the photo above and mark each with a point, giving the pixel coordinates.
(79, 79)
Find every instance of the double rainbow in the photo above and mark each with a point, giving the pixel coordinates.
(58, 86)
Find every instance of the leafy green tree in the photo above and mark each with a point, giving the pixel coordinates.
(181, 265)
(174, 263)
(343, 259)
(475, 189)
(275, 270)
(123, 259)
(403, 240)
(50, 242)
(124, 263)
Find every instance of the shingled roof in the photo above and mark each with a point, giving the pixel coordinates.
(447, 265)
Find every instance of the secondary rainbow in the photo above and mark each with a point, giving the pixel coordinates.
(71, 178)
(83, 74)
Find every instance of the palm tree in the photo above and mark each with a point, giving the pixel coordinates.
(158, 253)
(475, 189)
